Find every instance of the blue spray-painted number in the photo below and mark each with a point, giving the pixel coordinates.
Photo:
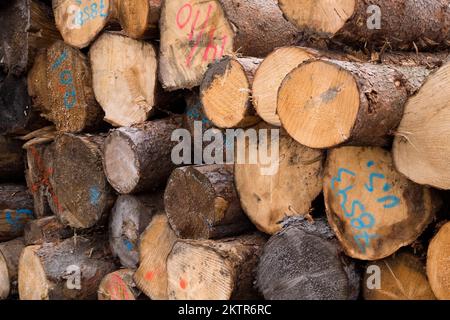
(90, 12)
(94, 195)
(16, 220)
(128, 244)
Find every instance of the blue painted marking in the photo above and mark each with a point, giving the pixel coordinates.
(70, 98)
(94, 194)
(60, 60)
(394, 201)
(16, 221)
(372, 177)
(128, 244)
(387, 187)
(370, 164)
(90, 12)
(341, 171)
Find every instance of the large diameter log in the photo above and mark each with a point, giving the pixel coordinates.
(129, 218)
(47, 229)
(226, 92)
(27, 26)
(124, 78)
(60, 84)
(118, 285)
(154, 248)
(421, 147)
(16, 208)
(195, 33)
(326, 103)
(438, 258)
(80, 21)
(374, 24)
(304, 261)
(68, 270)
(401, 276)
(9, 260)
(201, 202)
(214, 270)
(11, 159)
(139, 19)
(372, 208)
(285, 186)
(81, 196)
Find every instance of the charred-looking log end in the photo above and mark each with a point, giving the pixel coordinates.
(310, 100)
(322, 16)
(5, 285)
(268, 79)
(121, 165)
(226, 92)
(78, 28)
(437, 263)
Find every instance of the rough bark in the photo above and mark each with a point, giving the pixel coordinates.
(138, 158)
(47, 229)
(201, 202)
(9, 259)
(118, 285)
(304, 261)
(437, 263)
(214, 270)
(195, 33)
(372, 208)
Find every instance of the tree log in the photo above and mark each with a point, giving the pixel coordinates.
(118, 285)
(372, 208)
(11, 159)
(304, 261)
(48, 229)
(296, 180)
(201, 202)
(214, 270)
(139, 19)
(60, 84)
(82, 196)
(226, 92)
(27, 26)
(421, 147)
(124, 78)
(155, 246)
(402, 277)
(16, 208)
(129, 218)
(139, 158)
(368, 101)
(9, 260)
(437, 263)
(194, 33)
(69, 270)
(80, 21)
(402, 24)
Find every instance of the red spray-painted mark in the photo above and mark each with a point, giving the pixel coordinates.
(149, 276)
(118, 288)
(183, 283)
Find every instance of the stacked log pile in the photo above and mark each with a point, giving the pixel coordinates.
(118, 180)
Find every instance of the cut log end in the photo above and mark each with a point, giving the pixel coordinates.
(33, 284)
(310, 100)
(319, 15)
(118, 285)
(5, 285)
(438, 258)
(226, 93)
(139, 18)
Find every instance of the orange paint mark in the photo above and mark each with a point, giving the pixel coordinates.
(149, 276)
(118, 288)
(183, 283)
(62, 89)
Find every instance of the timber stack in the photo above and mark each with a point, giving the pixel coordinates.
(224, 149)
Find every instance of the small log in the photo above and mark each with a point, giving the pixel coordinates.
(326, 103)
(48, 229)
(9, 260)
(421, 147)
(139, 158)
(139, 19)
(60, 84)
(437, 263)
(375, 24)
(129, 218)
(195, 33)
(201, 202)
(226, 92)
(80, 21)
(304, 261)
(118, 285)
(214, 270)
(402, 277)
(16, 208)
(155, 246)
(124, 78)
(27, 26)
(372, 208)
(69, 270)
(81, 196)
(11, 159)
(271, 192)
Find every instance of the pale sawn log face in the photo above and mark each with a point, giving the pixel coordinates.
(9, 259)
(372, 208)
(438, 257)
